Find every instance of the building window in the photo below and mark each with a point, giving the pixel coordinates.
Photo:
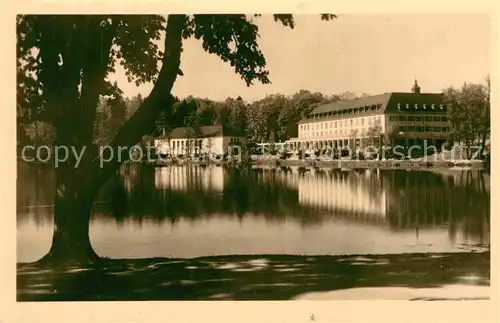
(418, 129)
(402, 128)
(428, 118)
(410, 128)
(402, 118)
(351, 122)
(362, 121)
(444, 119)
(436, 118)
(428, 129)
(444, 129)
(436, 129)
(418, 118)
(335, 124)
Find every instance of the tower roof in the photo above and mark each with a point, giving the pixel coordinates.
(416, 87)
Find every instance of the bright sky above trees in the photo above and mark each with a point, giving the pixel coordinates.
(358, 53)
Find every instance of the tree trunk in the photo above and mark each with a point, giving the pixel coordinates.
(71, 241)
(469, 150)
(483, 144)
(78, 184)
(73, 204)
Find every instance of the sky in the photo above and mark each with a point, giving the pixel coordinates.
(358, 53)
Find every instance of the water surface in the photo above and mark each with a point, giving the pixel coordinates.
(192, 211)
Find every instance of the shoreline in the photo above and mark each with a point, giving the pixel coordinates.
(254, 277)
(344, 164)
(330, 164)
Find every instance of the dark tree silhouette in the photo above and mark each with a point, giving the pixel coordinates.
(63, 64)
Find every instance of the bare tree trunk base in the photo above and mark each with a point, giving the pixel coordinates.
(56, 259)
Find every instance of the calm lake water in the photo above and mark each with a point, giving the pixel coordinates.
(193, 211)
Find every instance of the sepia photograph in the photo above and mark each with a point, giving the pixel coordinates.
(264, 157)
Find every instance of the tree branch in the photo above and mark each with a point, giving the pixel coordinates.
(142, 121)
(94, 72)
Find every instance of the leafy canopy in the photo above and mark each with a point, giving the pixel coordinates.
(64, 61)
(469, 111)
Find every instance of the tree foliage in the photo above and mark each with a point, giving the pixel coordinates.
(63, 75)
(469, 114)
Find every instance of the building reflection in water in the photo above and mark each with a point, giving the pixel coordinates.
(354, 193)
(181, 178)
(404, 200)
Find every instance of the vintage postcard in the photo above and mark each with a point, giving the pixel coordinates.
(289, 153)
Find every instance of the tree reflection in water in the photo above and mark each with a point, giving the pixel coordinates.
(402, 200)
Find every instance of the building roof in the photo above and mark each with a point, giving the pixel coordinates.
(394, 102)
(203, 132)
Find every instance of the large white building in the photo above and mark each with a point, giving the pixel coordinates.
(410, 119)
(188, 141)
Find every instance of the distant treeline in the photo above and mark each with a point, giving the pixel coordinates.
(273, 118)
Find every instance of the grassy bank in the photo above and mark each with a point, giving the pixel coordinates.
(247, 277)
